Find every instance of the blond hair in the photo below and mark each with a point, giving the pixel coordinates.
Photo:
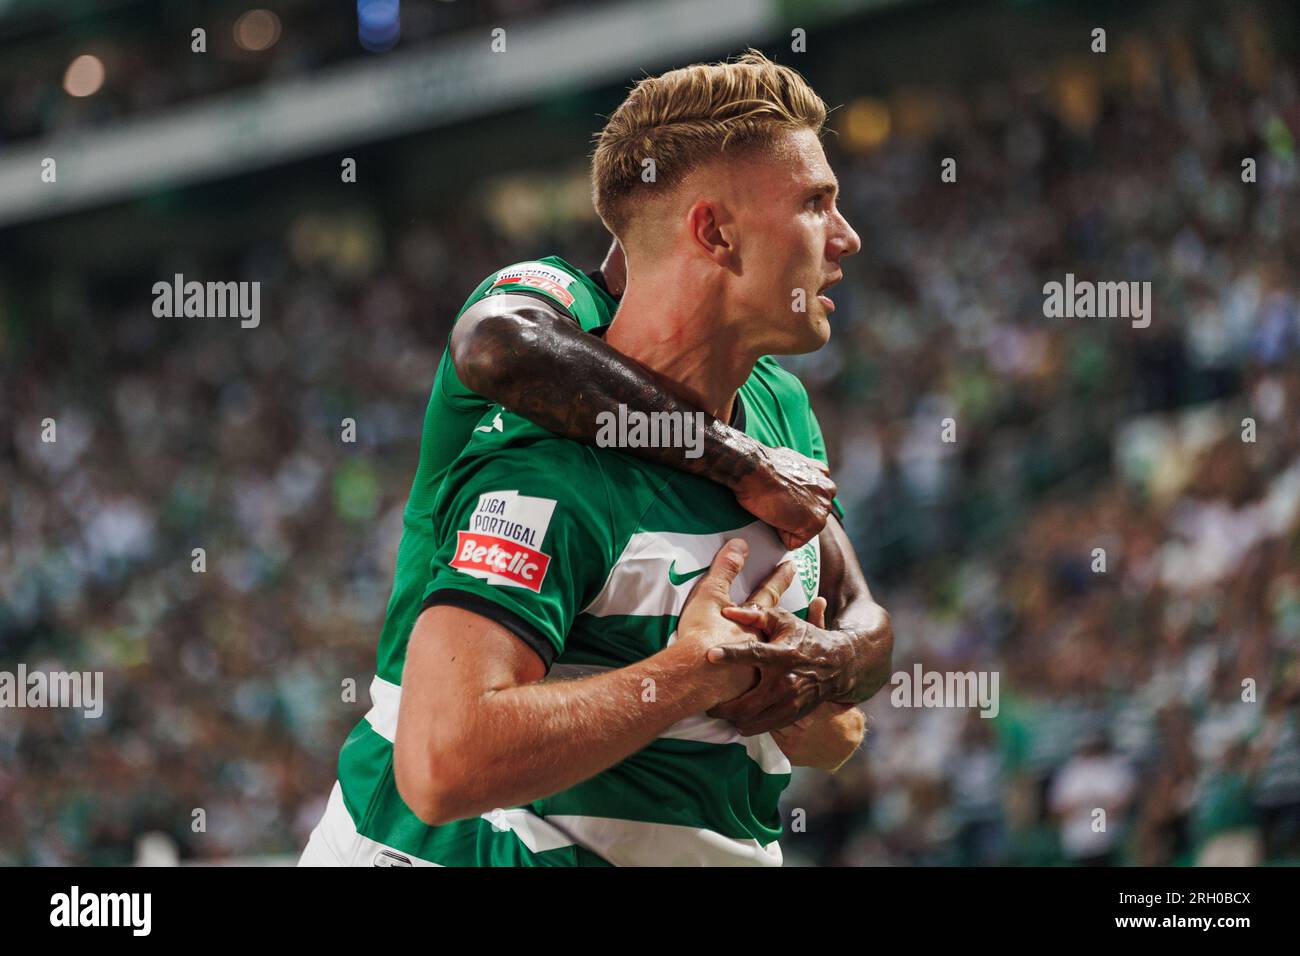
(686, 117)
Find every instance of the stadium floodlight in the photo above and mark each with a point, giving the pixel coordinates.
(379, 24)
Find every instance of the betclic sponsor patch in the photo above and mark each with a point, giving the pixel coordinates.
(538, 275)
(503, 543)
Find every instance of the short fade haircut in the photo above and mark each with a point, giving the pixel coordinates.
(689, 116)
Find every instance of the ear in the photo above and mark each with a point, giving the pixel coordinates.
(712, 230)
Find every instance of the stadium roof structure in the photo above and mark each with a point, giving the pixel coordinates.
(362, 101)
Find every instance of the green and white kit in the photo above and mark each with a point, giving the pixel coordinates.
(587, 555)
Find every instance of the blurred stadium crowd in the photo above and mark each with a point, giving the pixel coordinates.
(149, 70)
(1120, 689)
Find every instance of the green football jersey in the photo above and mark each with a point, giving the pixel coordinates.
(449, 420)
(588, 555)
(732, 825)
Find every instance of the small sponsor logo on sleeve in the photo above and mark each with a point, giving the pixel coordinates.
(503, 545)
(538, 275)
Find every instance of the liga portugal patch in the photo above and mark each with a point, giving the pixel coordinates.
(503, 545)
(538, 275)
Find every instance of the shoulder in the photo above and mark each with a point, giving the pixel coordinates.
(775, 376)
(504, 440)
(778, 411)
(597, 492)
(552, 280)
(783, 385)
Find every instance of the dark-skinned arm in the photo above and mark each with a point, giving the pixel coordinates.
(521, 352)
(802, 665)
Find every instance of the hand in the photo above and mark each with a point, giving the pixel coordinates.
(802, 666)
(830, 708)
(789, 491)
(828, 736)
(702, 626)
(825, 739)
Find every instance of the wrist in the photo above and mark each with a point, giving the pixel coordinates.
(844, 655)
(701, 685)
(749, 462)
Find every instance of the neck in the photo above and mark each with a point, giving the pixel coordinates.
(683, 338)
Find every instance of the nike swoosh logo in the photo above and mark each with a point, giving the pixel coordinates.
(679, 579)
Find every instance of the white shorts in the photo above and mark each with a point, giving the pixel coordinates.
(336, 842)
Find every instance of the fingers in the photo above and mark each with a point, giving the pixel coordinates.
(716, 583)
(772, 621)
(817, 612)
(776, 718)
(775, 703)
(747, 705)
(765, 708)
(745, 708)
(756, 653)
(791, 541)
(769, 591)
(809, 522)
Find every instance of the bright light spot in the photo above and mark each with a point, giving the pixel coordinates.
(84, 77)
(866, 124)
(257, 30)
(379, 24)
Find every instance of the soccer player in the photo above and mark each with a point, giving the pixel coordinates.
(553, 556)
(522, 341)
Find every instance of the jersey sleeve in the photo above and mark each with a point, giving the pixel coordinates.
(523, 541)
(547, 281)
(453, 392)
(544, 280)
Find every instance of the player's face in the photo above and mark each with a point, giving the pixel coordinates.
(791, 241)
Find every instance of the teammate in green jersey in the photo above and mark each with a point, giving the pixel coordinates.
(548, 552)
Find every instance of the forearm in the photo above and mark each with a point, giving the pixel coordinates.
(864, 626)
(547, 369)
(868, 633)
(518, 744)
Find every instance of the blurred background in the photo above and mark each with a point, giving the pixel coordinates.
(1121, 689)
